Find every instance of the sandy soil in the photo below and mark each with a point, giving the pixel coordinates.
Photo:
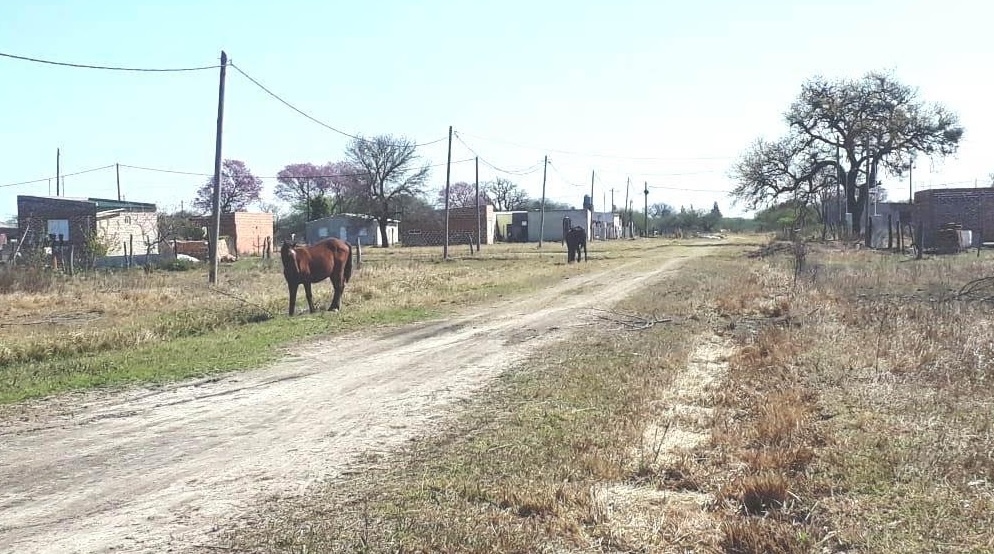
(156, 470)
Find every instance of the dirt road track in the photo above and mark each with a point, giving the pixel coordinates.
(154, 470)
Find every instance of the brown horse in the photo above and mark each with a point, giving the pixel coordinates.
(305, 265)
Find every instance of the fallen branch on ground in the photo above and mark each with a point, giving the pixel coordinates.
(58, 319)
(630, 322)
(978, 290)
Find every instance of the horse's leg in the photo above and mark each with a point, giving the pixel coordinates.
(310, 299)
(337, 283)
(293, 295)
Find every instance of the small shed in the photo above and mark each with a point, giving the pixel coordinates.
(553, 230)
(248, 232)
(353, 228)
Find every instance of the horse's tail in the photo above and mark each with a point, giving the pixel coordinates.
(348, 264)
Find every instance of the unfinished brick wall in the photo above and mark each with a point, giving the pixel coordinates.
(972, 208)
(462, 227)
(248, 230)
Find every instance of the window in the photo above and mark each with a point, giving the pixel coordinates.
(59, 227)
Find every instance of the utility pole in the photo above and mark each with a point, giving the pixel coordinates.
(448, 174)
(866, 204)
(628, 220)
(590, 229)
(215, 234)
(479, 229)
(58, 156)
(541, 224)
(117, 170)
(911, 186)
(838, 190)
(645, 216)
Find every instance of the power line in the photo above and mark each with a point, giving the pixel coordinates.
(109, 67)
(689, 189)
(42, 180)
(596, 155)
(270, 177)
(314, 119)
(563, 177)
(526, 171)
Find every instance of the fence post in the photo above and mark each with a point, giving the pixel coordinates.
(890, 233)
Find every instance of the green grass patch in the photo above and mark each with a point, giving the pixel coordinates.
(205, 353)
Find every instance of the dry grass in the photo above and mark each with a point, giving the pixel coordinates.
(858, 412)
(58, 332)
(541, 462)
(856, 415)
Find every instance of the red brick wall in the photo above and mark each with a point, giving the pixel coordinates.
(248, 230)
(462, 224)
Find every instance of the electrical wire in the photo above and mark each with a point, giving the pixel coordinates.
(526, 171)
(596, 155)
(270, 177)
(314, 119)
(60, 176)
(109, 67)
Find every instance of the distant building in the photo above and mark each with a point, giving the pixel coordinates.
(463, 227)
(972, 208)
(116, 224)
(247, 232)
(353, 228)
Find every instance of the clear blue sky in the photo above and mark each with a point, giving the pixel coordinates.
(689, 84)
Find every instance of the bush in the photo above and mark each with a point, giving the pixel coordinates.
(178, 265)
(30, 279)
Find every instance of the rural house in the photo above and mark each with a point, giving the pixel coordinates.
(353, 228)
(554, 223)
(971, 208)
(83, 223)
(248, 232)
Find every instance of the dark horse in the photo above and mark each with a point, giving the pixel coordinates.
(576, 239)
(305, 265)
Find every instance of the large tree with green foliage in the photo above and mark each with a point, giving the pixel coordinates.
(845, 133)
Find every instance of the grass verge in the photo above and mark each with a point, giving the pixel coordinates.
(519, 469)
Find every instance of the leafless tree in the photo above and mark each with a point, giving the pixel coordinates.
(390, 170)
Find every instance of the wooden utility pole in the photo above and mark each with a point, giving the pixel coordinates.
(866, 204)
(628, 219)
(58, 156)
(479, 225)
(448, 174)
(590, 229)
(645, 216)
(541, 224)
(117, 170)
(215, 234)
(911, 186)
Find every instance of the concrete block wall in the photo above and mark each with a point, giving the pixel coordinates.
(973, 208)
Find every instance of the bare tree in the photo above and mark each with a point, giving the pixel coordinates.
(873, 123)
(462, 195)
(506, 196)
(389, 171)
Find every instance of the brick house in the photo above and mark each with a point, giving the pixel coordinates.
(248, 232)
(973, 208)
(76, 221)
(463, 227)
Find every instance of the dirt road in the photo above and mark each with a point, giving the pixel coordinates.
(154, 470)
